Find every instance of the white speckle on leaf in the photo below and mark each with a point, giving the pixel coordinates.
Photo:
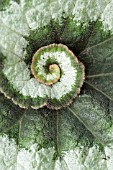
(8, 153)
(107, 17)
(18, 19)
(78, 159)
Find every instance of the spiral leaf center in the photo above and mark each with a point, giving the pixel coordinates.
(43, 70)
(44, 67)
(59, 74)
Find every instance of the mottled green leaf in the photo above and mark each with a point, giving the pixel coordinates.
(81, 135)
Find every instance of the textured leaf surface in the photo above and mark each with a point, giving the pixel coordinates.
(80, 136)
(9, 113)
(99, 67)
(80, 158)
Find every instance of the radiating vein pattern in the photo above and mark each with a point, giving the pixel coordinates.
(98, 61)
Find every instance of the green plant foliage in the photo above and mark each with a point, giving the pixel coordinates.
(79, 136)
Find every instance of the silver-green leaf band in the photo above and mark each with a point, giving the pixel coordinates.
(56, 81)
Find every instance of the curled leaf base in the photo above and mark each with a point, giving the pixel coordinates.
(57, 79)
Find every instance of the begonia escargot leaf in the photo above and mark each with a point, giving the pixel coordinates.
(60, 60)
(58, 77)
